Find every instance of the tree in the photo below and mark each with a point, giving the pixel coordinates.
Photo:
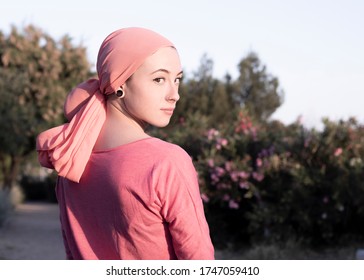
(255, 90)
(221, 107)
(205, 96)
(197, 91)
(36, 72)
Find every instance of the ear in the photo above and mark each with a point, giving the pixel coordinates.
(124, 87)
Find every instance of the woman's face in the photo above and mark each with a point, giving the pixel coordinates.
(151, 93)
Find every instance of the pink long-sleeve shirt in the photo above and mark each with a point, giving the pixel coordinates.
(137, 201)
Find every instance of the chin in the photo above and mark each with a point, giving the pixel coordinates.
(160, 124)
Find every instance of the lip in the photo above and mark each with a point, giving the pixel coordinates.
(168, 111)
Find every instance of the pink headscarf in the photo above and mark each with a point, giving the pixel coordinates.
(67, 148)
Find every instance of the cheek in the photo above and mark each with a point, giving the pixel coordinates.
(147, 96)
(144, 95)
(142, 104)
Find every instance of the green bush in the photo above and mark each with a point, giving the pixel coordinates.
(263, 182)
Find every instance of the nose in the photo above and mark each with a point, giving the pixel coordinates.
(173, 95)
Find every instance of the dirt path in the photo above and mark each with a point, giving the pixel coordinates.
(32, 233)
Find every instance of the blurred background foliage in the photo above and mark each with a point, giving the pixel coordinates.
(261, 181)
(36, 72)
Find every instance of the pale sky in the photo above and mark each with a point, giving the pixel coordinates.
(314, 47)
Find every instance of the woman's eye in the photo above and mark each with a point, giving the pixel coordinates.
(178, 80)
(159, 80)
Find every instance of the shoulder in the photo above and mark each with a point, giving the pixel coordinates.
(152, 155)
(167, 151)
(168, 154)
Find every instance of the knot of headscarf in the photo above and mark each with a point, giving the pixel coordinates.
(67, 148)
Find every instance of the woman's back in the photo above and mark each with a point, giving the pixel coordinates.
(136, 201)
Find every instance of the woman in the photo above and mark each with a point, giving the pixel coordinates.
(122, 193)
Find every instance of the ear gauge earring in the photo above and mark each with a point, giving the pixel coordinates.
(120, 93)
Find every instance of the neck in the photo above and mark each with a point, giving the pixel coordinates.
(119, 129)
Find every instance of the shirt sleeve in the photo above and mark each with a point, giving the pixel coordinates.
(182, 208)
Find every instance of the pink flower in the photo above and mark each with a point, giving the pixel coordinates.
(222, 141)
(234, 176)
(244, 185)
(205, 198)
(257, 176)
(210, 162)
(219, 171)
(214, 178)
(226, 197)
(233, 204)
(228, 166)
(338, 152)
(259, 162)
(243, 175)
(211, 133)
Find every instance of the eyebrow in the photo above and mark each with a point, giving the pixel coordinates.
(165, 71)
